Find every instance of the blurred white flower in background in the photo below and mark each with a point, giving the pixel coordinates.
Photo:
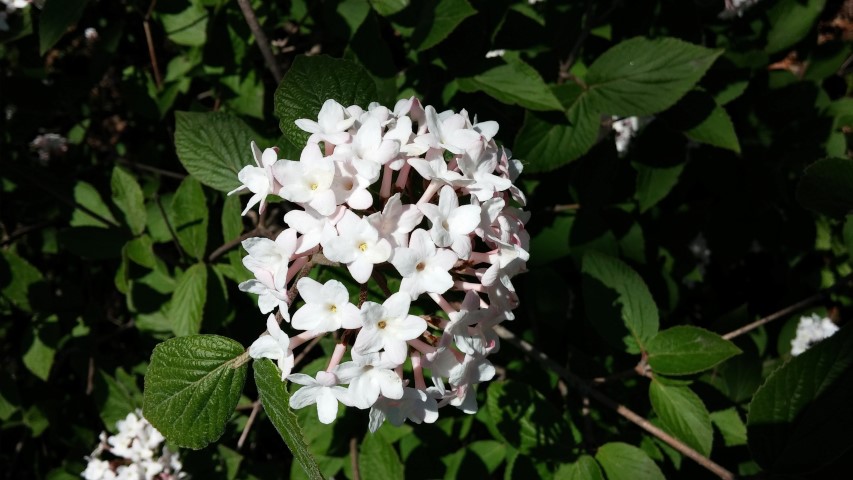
(811, 330)
(134, 453)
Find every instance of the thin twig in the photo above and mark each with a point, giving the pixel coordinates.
(151, 52)
(310, 346)
(565, 208)
(260, 38)
(24, 231)
(255, 408)
(353, 458)
(306, 269)
(158, 171)
(222, 249)
(773, 316)
(584, 387)
(90, 377)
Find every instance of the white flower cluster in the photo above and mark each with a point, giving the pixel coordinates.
(811, 330)
(135, 454)
(444, 222)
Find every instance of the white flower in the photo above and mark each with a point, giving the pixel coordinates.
(263, 285)
(369, 151)
(309, 180)
(448, 130)
(258, 180)
(434, 167)
(331, 125)
(478, 165)
(625, 130)
(452, 224)
(139, 448)
(368, 376)
(811, 329)
(273, 255)
(499, 52)
(396, 221)
(416, 405)
(324, 391)
(275, 346)
(312, 226)
(358, 247)
(424, 268)
(388, 326)
(327, 307)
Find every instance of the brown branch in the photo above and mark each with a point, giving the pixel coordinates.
(222, 249)
(291, 294)
(20, 232)
(256, 406)
(773, 316)
(151, 53)
(584, 387)
(260, 38)
(158, 171)
(565, 208)
(310, 346)
(353, 458)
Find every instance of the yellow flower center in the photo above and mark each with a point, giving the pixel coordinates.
(381, 324)
(363, 247)
(333, 308)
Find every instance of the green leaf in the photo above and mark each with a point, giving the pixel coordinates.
(388, 7)
(438, 21)
(10, 399)
(584, 468)
(731, 427)
(192, 386)
(684, 350)
(188, 216)
(632, 298)
(313, 80)
(790, 21)
(42, 347)
(549, 140)
(127, 195)
(188, 27)
(275, 398)
(515, 83)
(18, 279)
(801, 419)
(827, 187)
(114, 399)
(522, 418)
(377, 459)
(187, 305)
(642, 77)
(654, 184)
(232, 222)
(627, 462)
(213, 147)
(683, 415)
(87, 196)
(55, 19)
(701, 119)
(492, 453)
(141, 251)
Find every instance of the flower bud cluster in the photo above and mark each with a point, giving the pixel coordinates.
(404, 193)
(134, 453)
